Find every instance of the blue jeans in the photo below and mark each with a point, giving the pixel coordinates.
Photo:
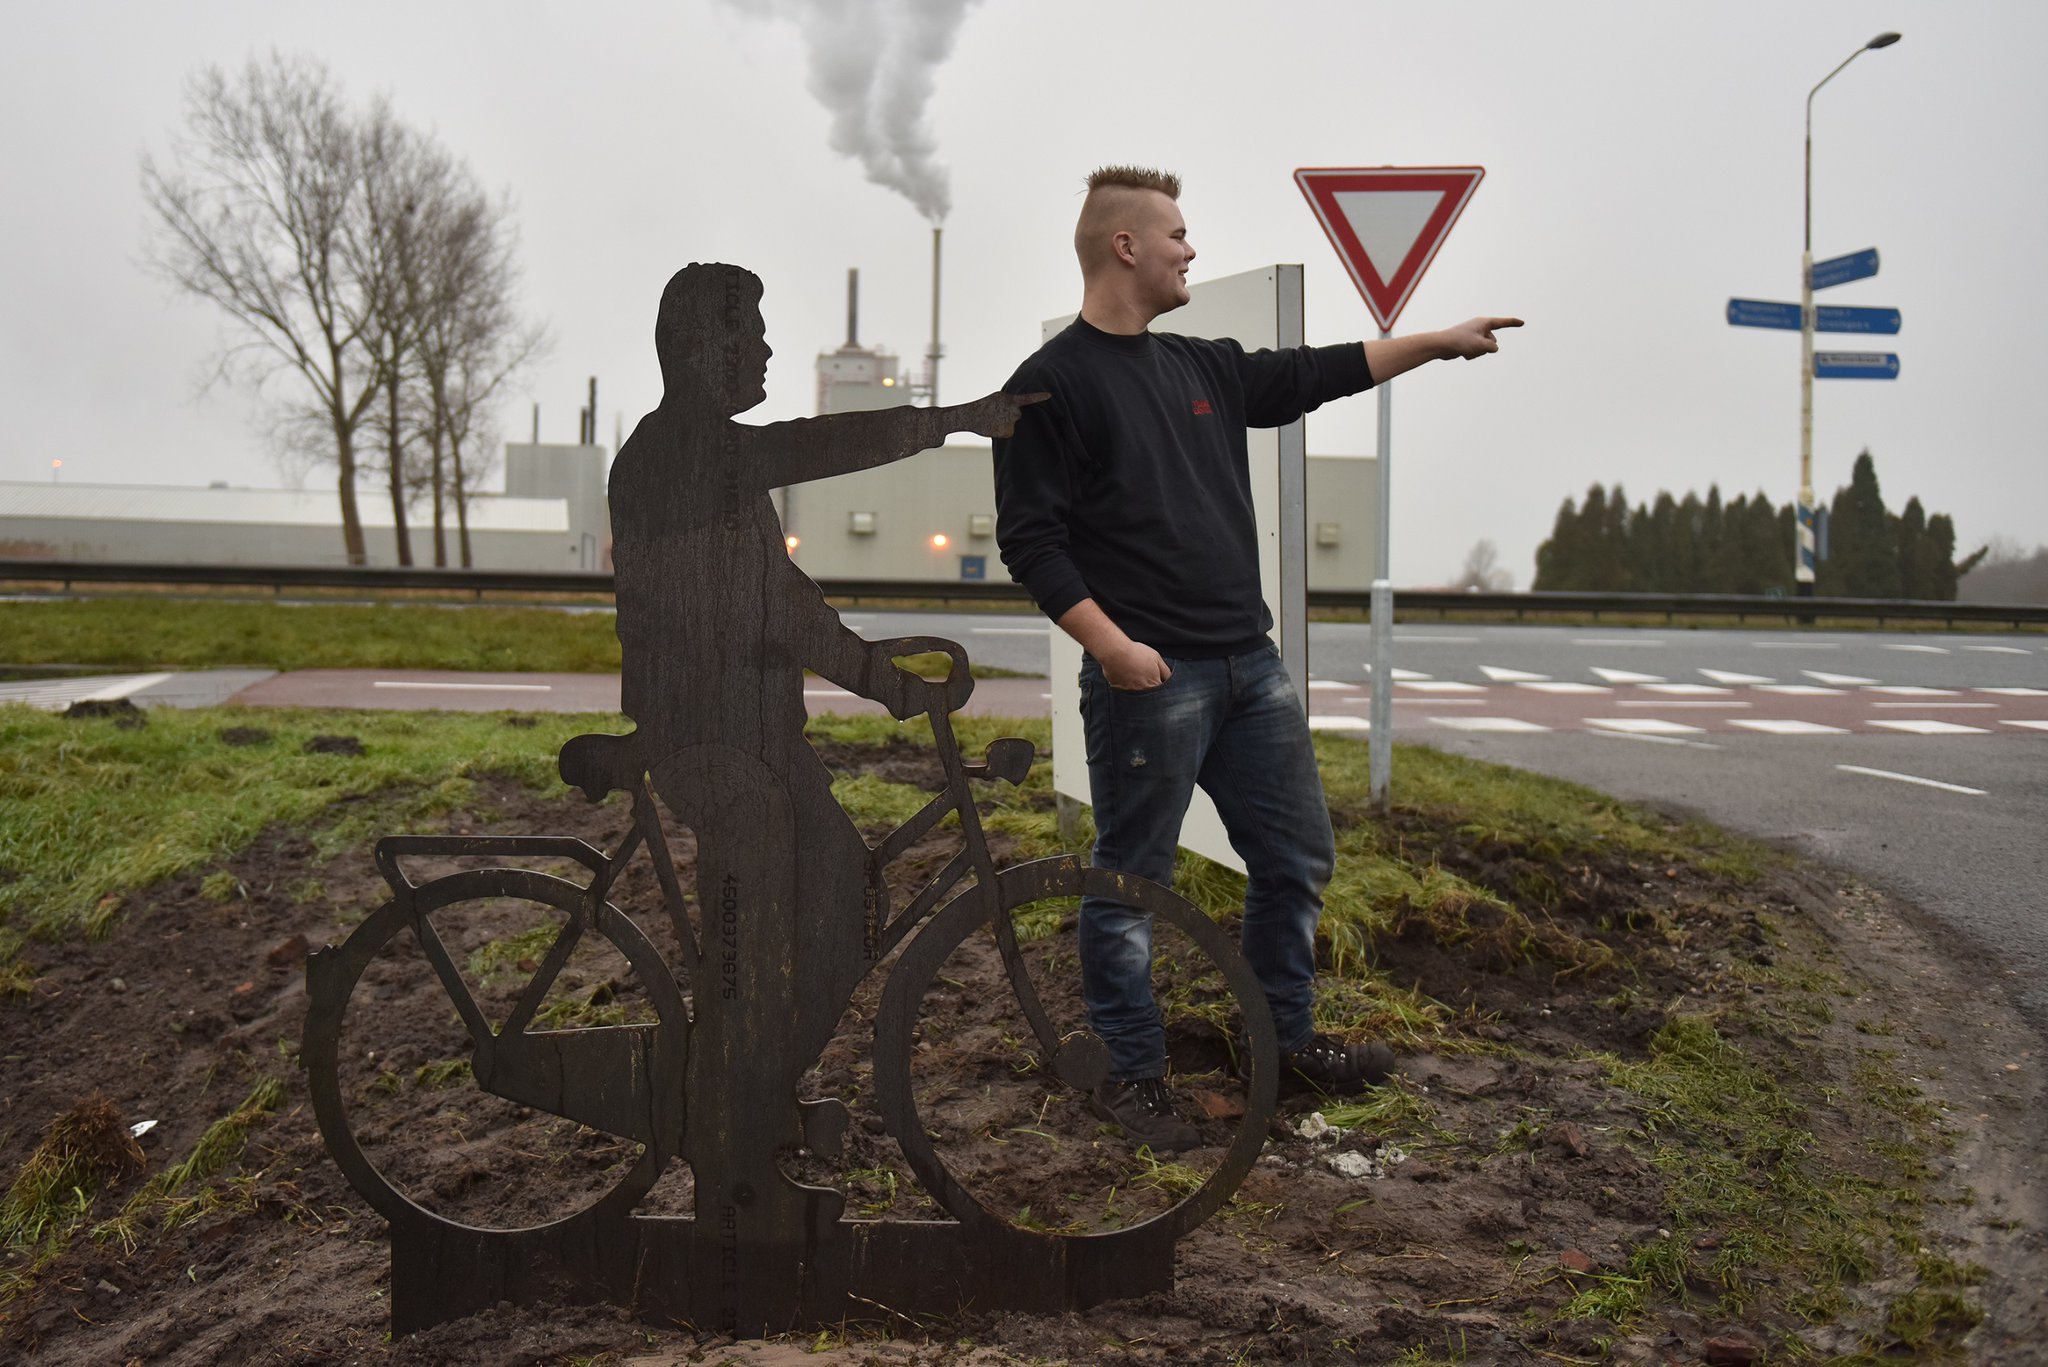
(1235, 727)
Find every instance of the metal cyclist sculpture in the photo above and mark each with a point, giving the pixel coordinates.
(717, 627)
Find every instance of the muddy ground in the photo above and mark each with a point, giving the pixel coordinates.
(1513, 1178)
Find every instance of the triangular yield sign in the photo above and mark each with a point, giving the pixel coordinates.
(1387, 222)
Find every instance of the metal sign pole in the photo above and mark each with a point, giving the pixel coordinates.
(1380, 757)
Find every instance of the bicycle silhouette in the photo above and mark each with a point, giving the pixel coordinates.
(793, 911)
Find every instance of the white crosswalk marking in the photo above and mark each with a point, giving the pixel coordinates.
(1911, 691)
(1549, 686)
(1439, 686)
(1800, 690)
(1729, 676)
(1923, 650)
(1316, 685)
(54, 695)
(1826, 678)
(1329, 723)
(1786, 727)
(2000, 650)
(1503, 675)
(1928, 726)
(2030, 724)
(1686, 690)
(1487, 724)
(2015, 692)
(1627, 676)
(1644, 726)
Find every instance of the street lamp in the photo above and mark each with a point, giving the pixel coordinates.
(1804, 551)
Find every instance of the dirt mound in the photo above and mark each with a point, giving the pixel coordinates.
(1458, 1213)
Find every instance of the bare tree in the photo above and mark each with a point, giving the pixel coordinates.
(472, 343)
(255, 217)
(1482, 572)
(358, 254)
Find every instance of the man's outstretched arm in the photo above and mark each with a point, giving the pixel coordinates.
(835, 443)
(1468, 340)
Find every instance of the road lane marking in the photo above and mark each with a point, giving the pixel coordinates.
(2014, 692)
(1502, 675)
(1644, 726)
(1827, 678)
(465, 687)
(1627, 676)
(1729, 676)
(1786, 727)
(1928, 726)
(1315, 684)
(1677, 702)
(2030, 724)
(1397, 675)
(1934, 704)
(1911, 778)
(1655, 740)
(1439, 686)
(2001, 650)
(1924, 650)
(1612, 641)
(1487, 724)
(1797, 645)
(1688, 690)
(1322, 722)
(1550, 686)
(1800, 690)
(1436, 640)
(1911, 691)
(1433, 702)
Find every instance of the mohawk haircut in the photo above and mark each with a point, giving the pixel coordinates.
(1135, 178)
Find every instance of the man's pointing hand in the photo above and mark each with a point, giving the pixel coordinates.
(1474, 337)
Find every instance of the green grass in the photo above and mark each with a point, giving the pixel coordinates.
(90, 812)
(167, 633)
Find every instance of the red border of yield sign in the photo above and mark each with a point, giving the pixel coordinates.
(1387, 294)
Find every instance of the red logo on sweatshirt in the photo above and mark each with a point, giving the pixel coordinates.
(1201, 407)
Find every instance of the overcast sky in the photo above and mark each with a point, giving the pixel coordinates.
(1643, 164)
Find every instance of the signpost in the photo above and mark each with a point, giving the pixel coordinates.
(1806, 318)
(1841, 270)
(1386, 223)
(1766, 313)
(1855, 365)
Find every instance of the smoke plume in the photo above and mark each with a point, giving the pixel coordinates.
(873, 65)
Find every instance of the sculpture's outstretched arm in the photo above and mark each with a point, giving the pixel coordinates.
(816, 448)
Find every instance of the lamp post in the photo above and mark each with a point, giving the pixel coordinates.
(1804, 550)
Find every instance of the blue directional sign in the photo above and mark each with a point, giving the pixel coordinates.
(1841, 270)
(1763, 313)
(1855, 365)
(1838, 318)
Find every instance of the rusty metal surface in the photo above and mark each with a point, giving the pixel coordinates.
(792, 909)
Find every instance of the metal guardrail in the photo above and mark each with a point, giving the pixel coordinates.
(67, 574)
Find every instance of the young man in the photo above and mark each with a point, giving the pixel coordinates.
(1124, 506)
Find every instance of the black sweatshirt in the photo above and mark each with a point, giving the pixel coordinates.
(1131, 484)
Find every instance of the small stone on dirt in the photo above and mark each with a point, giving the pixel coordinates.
(1570, 1139)
(1575, 1261)
(1313, 1126)
(334, 745)
(1216, 1106)
(1352, 1165)
(118, 985)
(244, 735)
(1731, 1350)
(289, 952)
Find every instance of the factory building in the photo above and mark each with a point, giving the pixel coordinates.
(552, 516)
